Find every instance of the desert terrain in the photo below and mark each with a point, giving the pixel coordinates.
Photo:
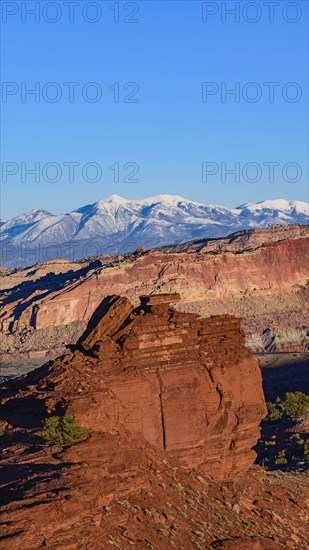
(163, 360)
(169, 405)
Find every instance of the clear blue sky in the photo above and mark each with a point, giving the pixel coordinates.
(169, 132)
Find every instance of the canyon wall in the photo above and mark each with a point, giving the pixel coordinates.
(260, 276)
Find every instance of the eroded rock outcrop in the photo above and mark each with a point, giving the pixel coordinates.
(186, 385)
(171, 406)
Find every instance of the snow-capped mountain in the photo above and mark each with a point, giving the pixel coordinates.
(115, 225)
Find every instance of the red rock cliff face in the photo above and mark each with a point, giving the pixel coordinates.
(186, 385)
(259, 276)
(270, 270)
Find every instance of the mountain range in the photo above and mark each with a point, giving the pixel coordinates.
(115, 225)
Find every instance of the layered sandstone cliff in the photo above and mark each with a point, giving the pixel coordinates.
(170, 404)
(260, 276)
(186, 385)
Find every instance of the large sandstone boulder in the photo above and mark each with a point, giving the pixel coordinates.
(186, 385)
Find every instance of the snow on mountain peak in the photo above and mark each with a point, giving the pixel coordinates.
(116, 225)
(173, 200)
(35, 213)
(113, 199)
(282, 205)
(168, 199)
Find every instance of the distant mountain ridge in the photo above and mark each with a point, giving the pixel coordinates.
(115, 225)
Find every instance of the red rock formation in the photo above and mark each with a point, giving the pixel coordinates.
(170, 404)
(186, 385)
(259, 276)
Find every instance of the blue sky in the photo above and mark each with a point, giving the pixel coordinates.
(169, 132)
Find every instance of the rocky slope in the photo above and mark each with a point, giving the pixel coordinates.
(260, 276)
(84, 498)
(171, 405)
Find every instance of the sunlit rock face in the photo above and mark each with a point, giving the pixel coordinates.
(260, 276)
(187, 385)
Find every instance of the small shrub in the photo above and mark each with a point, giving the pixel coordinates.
(296, 404)
(295, 447)
(274, 411)
(281, 458)
(62, 430)
(295, 440)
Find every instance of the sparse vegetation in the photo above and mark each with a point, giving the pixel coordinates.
(293, 450)
(274, 411)
(296, 405)
(62, 430)
(285, 448)
(281, 458)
